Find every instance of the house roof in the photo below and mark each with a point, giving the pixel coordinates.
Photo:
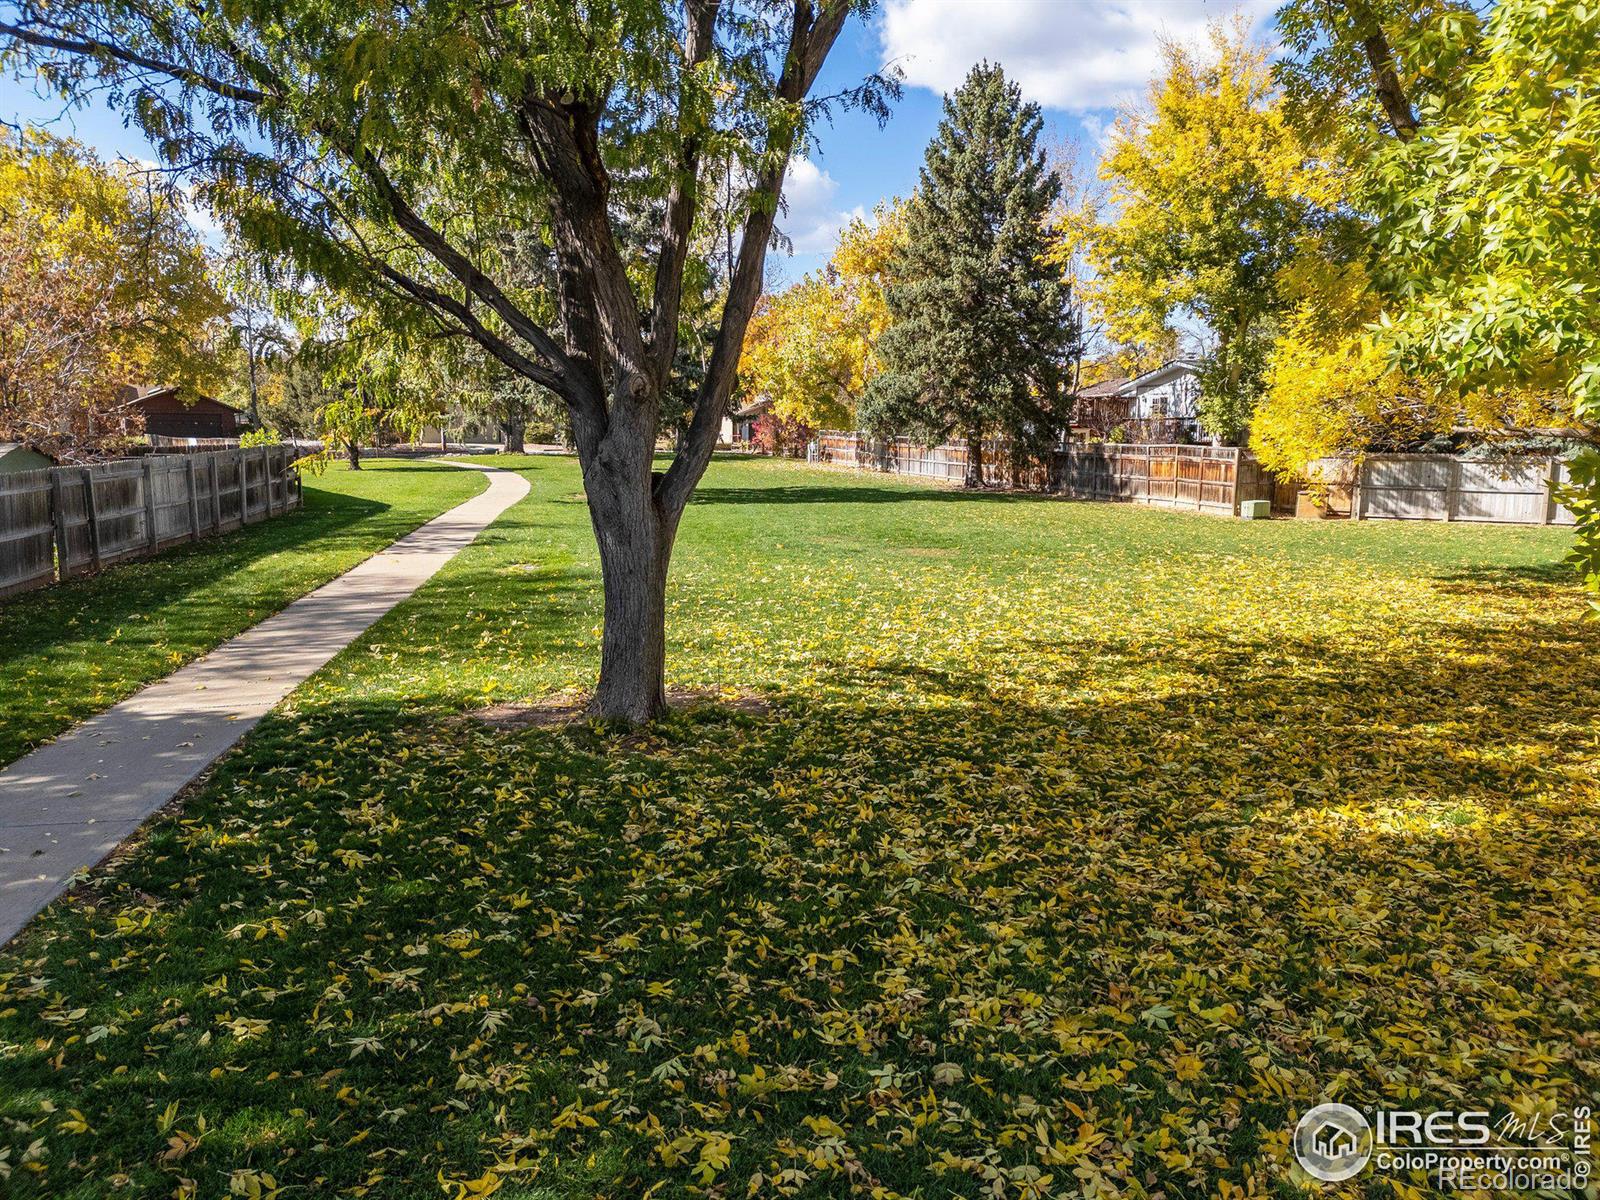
(170, 392)
(754, 409)
(1170, 369)
(1106, 389)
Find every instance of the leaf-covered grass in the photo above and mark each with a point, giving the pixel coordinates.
(69, 652)
(1082, 848)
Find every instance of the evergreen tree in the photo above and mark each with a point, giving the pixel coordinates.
(981, 331)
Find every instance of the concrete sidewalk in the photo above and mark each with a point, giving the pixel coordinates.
(70, 803)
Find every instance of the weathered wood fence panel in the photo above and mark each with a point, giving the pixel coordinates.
(902, 456)
(1198, 478)
(1441, 487)
(1217, 479)
(1211, 479)
(27, 531)
(63, 522)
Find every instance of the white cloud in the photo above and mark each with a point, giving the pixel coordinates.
(813, 219)
(1068, 54)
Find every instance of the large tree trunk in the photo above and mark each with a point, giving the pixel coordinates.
(355, 455)
(974, 478)
(634, 533)
(633, 649)
(516, 427)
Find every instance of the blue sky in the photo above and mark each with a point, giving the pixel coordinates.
(1080, 59)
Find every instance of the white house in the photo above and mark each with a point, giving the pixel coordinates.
(1166, 401)
(1162, 405)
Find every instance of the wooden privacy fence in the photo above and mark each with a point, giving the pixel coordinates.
(1440, 487)
(902, 456)
(1210, 479)
(67, 521)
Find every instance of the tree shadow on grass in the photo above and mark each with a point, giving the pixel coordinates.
(1139, 883)
(1542, 579)
(864, 494)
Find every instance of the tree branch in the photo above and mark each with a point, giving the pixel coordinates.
(459, 265)
(471, 326)
(678, 222)
(1390, 91)
(809, 43)
(564, 137)
(94, 48)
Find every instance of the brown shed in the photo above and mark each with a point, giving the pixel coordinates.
(169, 413)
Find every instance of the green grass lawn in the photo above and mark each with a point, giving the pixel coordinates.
(1081, 849)
(69, 652)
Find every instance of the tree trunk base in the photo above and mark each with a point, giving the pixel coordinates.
(626, 709)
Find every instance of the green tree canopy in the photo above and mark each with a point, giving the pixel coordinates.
(391, 149)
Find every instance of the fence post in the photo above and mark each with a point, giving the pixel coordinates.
(58, 519)
(216, 495)
(93, 513)
(243, 459)
(194, 498)
(148, 472)
(269, 473)
(1552, 480)
(1358, 497)
(1452, 488)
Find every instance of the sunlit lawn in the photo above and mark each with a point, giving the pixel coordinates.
(1082, 847)
(68, 652)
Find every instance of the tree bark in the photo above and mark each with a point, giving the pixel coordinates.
(355, 455)
(634, 557)
(516, 427)
(974, 477)
(1390, 91)
(634, 532)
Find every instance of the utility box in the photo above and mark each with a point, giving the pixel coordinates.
(1255, 510)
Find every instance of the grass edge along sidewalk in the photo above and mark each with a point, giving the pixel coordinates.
(71, 803)
(75, 649)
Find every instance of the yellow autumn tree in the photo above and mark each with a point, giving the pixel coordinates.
(810, 348)
(1204, 185)
(103, 284)
(1333, 387)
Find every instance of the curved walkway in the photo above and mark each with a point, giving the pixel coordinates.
(70, 803)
